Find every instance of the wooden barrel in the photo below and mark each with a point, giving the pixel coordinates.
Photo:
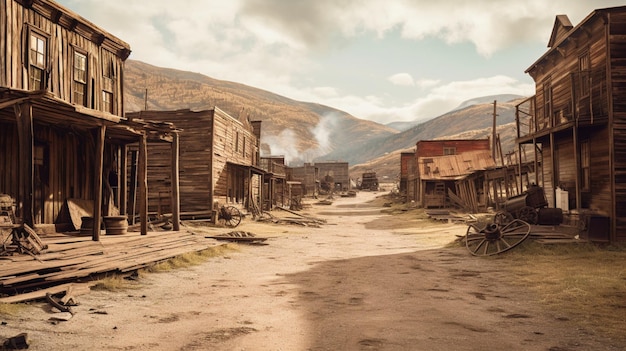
(86, 225)
(115, 225)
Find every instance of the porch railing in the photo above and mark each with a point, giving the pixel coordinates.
(578, 97)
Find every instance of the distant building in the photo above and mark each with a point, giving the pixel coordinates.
(441, 168)
(334, 176)
(275, 192)
(307, 176)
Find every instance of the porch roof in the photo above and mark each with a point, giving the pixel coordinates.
(49, 110)
(454, 167)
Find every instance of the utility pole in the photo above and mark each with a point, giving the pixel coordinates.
(493, 132)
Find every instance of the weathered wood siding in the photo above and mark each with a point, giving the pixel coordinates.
(234, 142)
(433, 148)
(617, 38)
(600, 196)
(339, 171)
(63, 168)
(195, 159)
(211, 142)
(65, 33)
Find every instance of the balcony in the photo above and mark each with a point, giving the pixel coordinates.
(268, 165)
(579, 98)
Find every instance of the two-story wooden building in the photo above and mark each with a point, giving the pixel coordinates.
(219, 161)
(576, 122)
(63, 136)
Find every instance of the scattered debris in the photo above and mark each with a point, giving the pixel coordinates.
(447, 216)
(238, 236)
(18, 342)
(57, 304)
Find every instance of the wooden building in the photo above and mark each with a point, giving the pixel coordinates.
(407, 175)
(63, 136)
(443, 170)
(577, 120)
(219, 161)
(275, 191)
(334, 176)
(307, 176)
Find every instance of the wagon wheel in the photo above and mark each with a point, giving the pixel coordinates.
(502, 217)
(495, 239)
(230, 216)
(528, 214)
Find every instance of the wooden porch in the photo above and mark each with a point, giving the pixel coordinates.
(71, 258)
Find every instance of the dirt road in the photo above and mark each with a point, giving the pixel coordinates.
(362, 281)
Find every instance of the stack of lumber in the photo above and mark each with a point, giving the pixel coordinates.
(71, 258)
(561, 234)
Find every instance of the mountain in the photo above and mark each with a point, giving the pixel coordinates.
(387, 166)
(403, 126)
(301, 131)
(474, 117)
(309, 132)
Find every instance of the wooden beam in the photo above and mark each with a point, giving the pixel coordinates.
(24, 118)
(123, 184)
(175, 182)
(97, 191)
(143, 184)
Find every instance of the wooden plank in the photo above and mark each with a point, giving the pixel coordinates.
(77, 289)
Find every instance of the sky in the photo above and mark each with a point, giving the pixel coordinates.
(379, 60)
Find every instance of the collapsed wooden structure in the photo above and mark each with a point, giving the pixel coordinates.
(444, 172)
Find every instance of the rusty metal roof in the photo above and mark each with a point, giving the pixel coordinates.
(453, 167)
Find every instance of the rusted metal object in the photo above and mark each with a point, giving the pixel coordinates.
(527, 208)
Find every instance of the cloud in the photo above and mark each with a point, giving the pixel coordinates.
(427, 83)
(403, 79)
(276, 45)
(438, 101)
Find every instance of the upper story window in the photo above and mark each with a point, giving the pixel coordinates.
(449, 151)
(37, 61)
(547, 99)
(108, 96)
(583, 68)
(79, 88)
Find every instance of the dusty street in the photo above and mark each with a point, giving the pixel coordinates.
(360, 282)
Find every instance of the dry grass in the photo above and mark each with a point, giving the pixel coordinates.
(192, 258)
(118, 282)
(581, 281)
(11, 309)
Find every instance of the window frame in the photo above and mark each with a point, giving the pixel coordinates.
(585, 165)
(584, 69)
(43, 69)
(85, 83)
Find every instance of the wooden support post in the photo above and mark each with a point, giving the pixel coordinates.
(578, 163)
(143, 184)
(175, 183)
(97, 186)
(24, 118)
(123, 184)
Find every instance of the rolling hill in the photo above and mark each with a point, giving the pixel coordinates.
(309, 132)
(300, 131)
